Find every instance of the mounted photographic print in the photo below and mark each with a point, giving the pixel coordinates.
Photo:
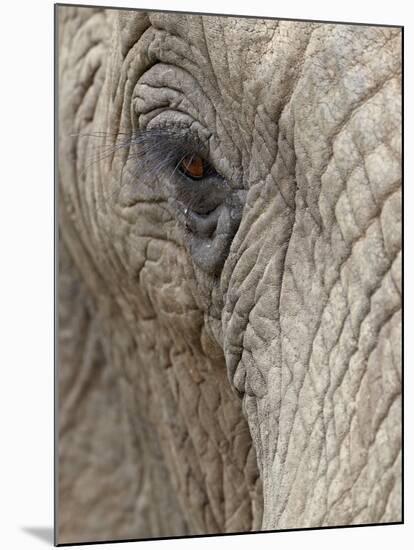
(228, 199)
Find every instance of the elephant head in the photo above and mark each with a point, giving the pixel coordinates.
(230, 202)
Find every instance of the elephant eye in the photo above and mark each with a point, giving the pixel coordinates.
(193, 166)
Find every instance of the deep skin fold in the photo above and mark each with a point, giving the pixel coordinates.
(305, 310)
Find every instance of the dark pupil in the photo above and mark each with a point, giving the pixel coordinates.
(193, 166)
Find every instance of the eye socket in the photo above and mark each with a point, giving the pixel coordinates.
(193, 166)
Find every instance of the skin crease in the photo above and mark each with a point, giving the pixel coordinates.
(237, 368)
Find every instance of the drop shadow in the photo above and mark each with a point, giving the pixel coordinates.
(43, 533)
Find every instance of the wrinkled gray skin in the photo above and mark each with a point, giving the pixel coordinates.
(246, 377)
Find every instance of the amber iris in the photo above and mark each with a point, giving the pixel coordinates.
(193, 166)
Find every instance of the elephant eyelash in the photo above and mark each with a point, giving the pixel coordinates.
(158, 153)
(161, 152)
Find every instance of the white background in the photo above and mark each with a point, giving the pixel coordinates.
(26, 271)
